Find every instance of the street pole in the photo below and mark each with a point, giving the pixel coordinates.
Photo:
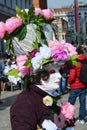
(76, 22)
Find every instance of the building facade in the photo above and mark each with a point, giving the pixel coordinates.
(40, 3)
(68, 14)
(60, 27)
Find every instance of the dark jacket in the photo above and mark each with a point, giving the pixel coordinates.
(2, 67)
(73, 78)
(28, 110)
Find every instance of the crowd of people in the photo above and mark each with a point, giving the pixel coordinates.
(7, 62)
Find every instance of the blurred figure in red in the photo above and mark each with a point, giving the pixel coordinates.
(77, 88)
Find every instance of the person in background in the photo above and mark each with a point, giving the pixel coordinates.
(7, 54)
(80, 49)
(64, 71)
(77, 88)
(2, 67)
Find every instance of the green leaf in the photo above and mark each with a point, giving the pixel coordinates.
(38, 32)
(52, 113)
(74, 57)
(31, 14)
(13, 72)
(74, 62)
(22, 14)
(31, 11)
(55, 99)
(39, 20)
(25, 79)
(9, 45)
(45, 61)
(8, 42)
(22, 33)
(17, 31)
(36, 44)
(28, 63)
(18, 10)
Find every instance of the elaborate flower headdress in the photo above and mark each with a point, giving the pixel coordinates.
(44, 47)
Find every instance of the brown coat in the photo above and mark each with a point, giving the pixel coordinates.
(29, 110)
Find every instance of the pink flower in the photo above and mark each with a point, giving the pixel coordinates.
(70, 49)
(59, 55)
(2, 29)
(13, 23)
(38, 11)
(47, 13)
(55, 44)
(24, 70)
(68, 110)
(21, 60)
(32, 53)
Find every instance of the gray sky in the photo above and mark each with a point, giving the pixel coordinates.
(61, 3)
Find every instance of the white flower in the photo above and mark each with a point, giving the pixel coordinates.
(26, 10)
(39, 57)
(48, 101)
(36, 61)
(35, 64)
(45, 51)
(49, 125)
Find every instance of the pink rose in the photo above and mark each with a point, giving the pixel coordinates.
(2, 29)
(59, 55)
(70, 49)
(55, 44)
(38, 11)
(24, 70)
(47, 13)
(68, 110)
(21, 60)
(13, 23)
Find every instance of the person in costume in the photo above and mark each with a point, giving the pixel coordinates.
(35, 46)
(30, 110)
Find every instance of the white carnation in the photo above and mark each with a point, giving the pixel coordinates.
(36, 61)
(45, 52)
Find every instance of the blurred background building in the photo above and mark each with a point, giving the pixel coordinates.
(68, 14)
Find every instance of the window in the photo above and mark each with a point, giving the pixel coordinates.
(85, 13)
(63, 36)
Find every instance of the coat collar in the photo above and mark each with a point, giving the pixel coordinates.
(39, 91)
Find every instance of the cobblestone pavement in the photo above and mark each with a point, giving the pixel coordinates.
(8, 98)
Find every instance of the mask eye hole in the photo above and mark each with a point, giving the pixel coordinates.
(51, 71)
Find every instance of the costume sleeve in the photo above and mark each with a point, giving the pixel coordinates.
(22, 116)
(72, 76)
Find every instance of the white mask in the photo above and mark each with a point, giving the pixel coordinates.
(52, 83)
